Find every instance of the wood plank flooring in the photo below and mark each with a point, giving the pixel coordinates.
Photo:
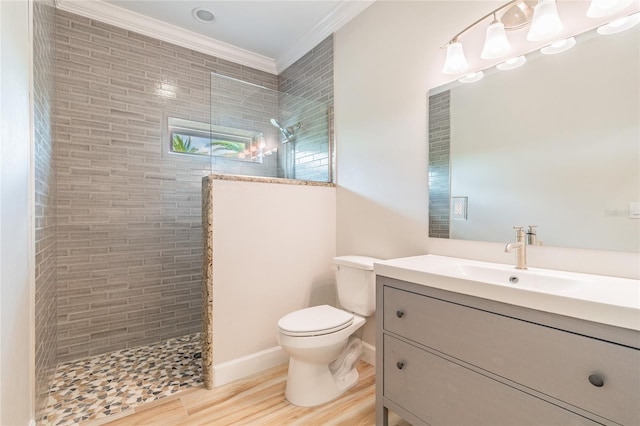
(259, 400)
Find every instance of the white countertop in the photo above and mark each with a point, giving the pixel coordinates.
(607, 300)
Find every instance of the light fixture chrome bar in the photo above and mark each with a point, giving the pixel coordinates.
(493, 12)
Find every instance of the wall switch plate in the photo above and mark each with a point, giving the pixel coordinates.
(459, 208)
(634, 210)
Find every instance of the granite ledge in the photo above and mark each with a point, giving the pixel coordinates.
(268, 180)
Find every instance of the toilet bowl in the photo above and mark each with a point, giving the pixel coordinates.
(320, 340)
(310, 381)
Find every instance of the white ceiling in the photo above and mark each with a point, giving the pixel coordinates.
(269, 28)
(265, 34)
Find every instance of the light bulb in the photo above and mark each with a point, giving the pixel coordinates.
(455, 61)
(546, 22)
(496, 44)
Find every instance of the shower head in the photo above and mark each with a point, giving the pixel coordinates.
(275, 123)
(287, 132)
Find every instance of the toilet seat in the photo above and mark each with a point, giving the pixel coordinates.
(314, 321)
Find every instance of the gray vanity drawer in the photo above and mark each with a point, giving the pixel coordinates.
(441, 392)
(559, 366)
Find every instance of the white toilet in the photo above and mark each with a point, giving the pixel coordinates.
(319, 339)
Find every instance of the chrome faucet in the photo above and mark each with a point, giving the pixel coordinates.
(521, 248)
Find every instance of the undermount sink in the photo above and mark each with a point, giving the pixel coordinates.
(603, 299)
(507, 275)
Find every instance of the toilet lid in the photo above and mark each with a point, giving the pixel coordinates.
(314, 321)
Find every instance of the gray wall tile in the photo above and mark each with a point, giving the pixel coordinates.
(439, 153)
(45, 200)
(310, 77)
(129, 235)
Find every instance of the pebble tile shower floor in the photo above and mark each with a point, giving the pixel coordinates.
(104, 385)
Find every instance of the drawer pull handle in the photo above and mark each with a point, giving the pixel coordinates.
(400, 365)
(596, 380)
(399, 313)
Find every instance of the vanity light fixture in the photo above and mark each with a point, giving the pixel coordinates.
(546, 22)
(559, 46)
(600, 8)
(472, 78)
(620, 25)
(513, 15)
(512, 63)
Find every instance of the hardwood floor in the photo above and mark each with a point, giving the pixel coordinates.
(259, 400)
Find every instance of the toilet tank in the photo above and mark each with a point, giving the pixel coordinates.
(356, 284)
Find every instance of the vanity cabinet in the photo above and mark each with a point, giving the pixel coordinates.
(448, 358)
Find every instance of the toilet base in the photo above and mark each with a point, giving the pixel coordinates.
(310, 384)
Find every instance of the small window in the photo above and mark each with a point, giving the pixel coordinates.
(195, 138)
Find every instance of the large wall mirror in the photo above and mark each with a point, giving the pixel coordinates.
(554, 143)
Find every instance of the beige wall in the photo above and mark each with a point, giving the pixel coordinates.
(16, 212)
(386, 60)
(382, 75)
(273, 246)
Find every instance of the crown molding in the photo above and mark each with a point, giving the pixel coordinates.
(115, 15)
(132, 21)
(336, 19)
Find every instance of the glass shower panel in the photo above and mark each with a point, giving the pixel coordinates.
(257, 131)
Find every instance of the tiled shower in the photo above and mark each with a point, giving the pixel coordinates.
(129, 238)
(118, 216)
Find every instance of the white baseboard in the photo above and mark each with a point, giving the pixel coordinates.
(257, 362)
(369, 353)
(245, 366)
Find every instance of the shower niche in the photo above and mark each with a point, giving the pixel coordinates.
(257, 131)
